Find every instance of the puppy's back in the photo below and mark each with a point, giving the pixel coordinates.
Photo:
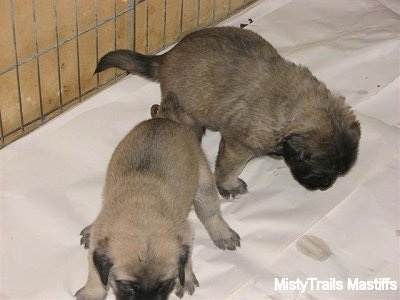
(158, 153)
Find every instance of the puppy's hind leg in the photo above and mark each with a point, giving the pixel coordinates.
(207, 207)
(171, 109)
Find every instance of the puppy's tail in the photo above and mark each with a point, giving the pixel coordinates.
(135, 63)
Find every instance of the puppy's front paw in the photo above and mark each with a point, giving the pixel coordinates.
(81, 294)
(85, 237)
(221, 234)
(227, 240)
(86, 293)
(191, 283)
(240, 188)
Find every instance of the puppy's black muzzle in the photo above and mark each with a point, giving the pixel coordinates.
(317, 182)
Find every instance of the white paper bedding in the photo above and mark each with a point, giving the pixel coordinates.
(51, 180)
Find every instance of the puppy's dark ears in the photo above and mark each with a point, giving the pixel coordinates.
(183, 259)
(293, 146)
(295, 140)
(103, 265)
(355, 130)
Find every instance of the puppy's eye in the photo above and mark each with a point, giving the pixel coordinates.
(128, 287)
(165, 285)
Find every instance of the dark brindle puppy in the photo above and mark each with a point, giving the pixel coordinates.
(233, 81)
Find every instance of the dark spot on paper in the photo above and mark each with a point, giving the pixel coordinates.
(243, 25)
(313, 247)
(274, 296)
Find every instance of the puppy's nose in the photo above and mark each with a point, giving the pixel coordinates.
(326, 184)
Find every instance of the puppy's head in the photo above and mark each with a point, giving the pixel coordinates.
(322, 146)
(141, 270)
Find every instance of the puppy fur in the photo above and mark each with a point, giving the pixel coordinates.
(233, 81)
(140, 243)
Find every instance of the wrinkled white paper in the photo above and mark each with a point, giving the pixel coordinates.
(51, 180)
